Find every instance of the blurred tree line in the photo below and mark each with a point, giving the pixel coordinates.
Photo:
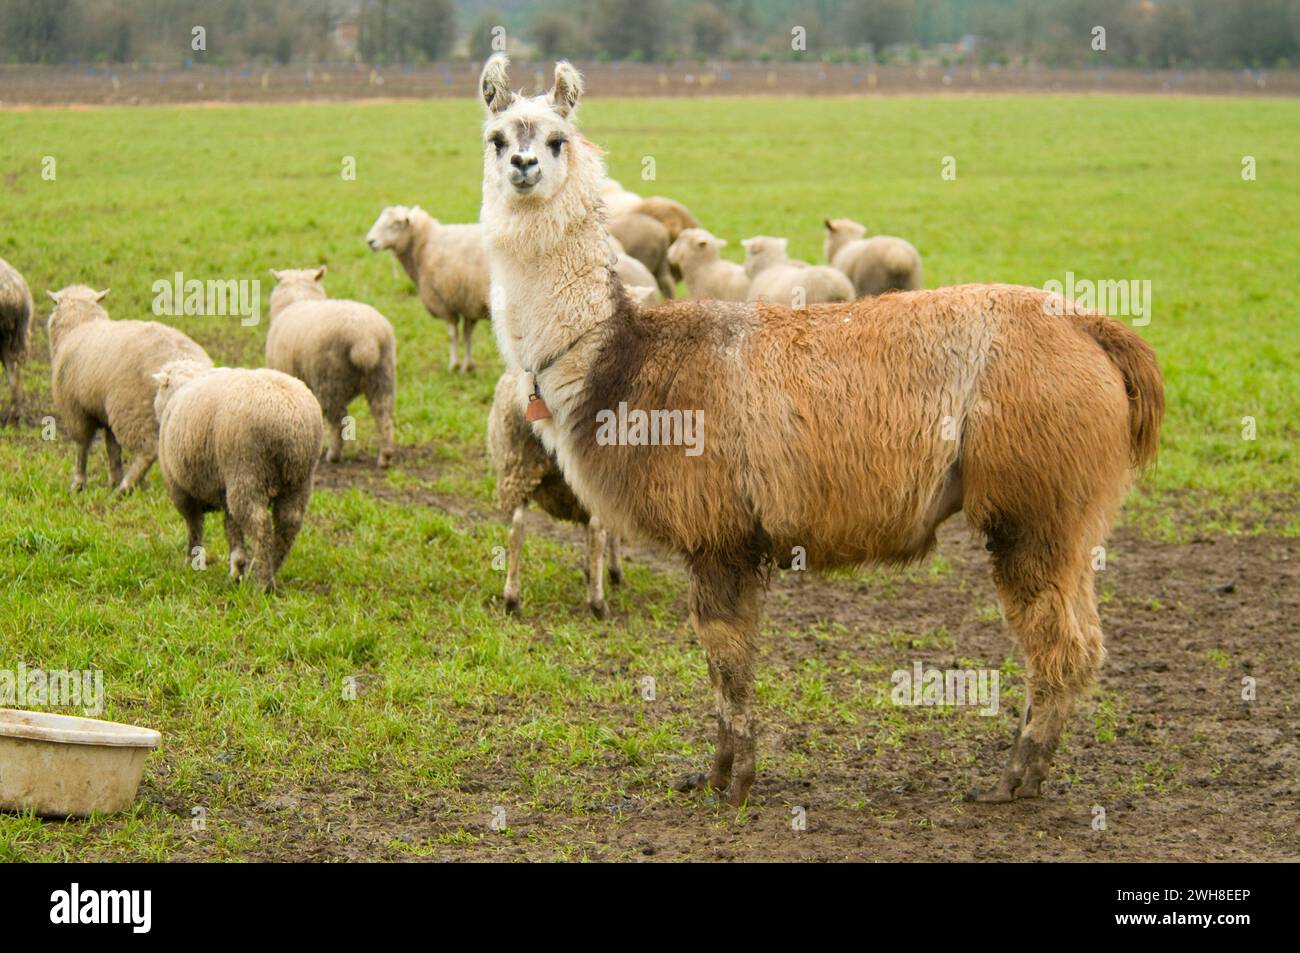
(1158, 33)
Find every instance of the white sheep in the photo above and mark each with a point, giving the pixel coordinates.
(875, 265)
(777, 278)
(633, 274)
(526, 472)
(16, 310)
(101, 378)
(448, 265)
(708, 275)
(616, 199)
(646, 239)
(339, 349)
(245, 442)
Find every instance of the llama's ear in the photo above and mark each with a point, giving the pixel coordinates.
(495, 83)
(567, 90)
(101, 295)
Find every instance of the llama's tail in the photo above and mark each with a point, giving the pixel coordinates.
(364, 354)
(1142, 379)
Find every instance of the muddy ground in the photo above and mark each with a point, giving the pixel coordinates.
(1192, 773)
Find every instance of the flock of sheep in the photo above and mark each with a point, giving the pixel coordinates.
(247, 442)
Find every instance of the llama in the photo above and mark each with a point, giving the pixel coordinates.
(848, 432)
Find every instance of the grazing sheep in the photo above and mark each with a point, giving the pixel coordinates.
(337, 348)
(777, 278)
(836, 434)
(101, 378)
(526, 471)
(15, 328)
(448, 266)
(617, 200)
(874, 265)
(708, 276)
(674, 216)
(243, 442)
(631, 272)
(646, 240)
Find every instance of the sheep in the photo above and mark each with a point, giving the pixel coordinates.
(632, 273)
(836, 435)
(526, 472)
(616, 199)
(240, 441)
(101, 378)
(339, 349)
(646, 240)
(15, 328)
(674, 216)
(776, 278)
(874, 265)
(708, 276)
(448, 266)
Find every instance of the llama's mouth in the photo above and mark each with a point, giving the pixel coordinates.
(524, 181)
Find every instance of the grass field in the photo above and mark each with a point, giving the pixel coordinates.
(461, 710)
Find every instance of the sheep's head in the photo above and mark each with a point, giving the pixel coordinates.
(392, 229)
(695, 245)
(296, 284)
(73, 305)
(841, 231)
(171, 377)
(529, 142)
(762, 251)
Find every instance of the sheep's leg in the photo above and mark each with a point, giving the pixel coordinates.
(381, 408)
(664, 278)
(334, 432)
(288, 511)
(14, 371)
(724, 613)
(255, 521)
(114, 450)
(140, 464)
(235, 539)
(467, 336)
(452, 334)
(596, 536)
(79, 468)
(1050, 604)
(615, 560)
(512, 559)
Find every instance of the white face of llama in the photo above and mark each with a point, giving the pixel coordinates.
(527, 140)
(392, 224)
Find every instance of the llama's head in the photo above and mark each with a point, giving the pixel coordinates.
(392, 229)
(536, 165)
(695, 246)
(296, 284)
(841, 231)
(763, 251)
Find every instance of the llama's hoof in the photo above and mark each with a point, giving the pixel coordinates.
(616, 577)
(1001, 794)
(599, 609)
(512, 605)
(691, 783)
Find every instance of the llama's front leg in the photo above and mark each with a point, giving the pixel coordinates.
(512, 559)
(596, 535)
(724, 612)
(453, 334)
(467, 337)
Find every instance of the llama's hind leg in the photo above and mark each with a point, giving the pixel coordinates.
(1049, 603)
(615, 560)
(724, 613)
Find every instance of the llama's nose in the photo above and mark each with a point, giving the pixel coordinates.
(523, 161)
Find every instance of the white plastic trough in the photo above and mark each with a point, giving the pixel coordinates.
(63, 766)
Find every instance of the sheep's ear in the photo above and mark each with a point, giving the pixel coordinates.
(274, 274)
(320, 273)
(160, 378)
(830, 226)
(702, 242)
(495, 83)
(101, 295)
(54, 295)
(567, 90)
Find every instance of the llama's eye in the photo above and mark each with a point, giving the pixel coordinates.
(555, 144)
(499, 143)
